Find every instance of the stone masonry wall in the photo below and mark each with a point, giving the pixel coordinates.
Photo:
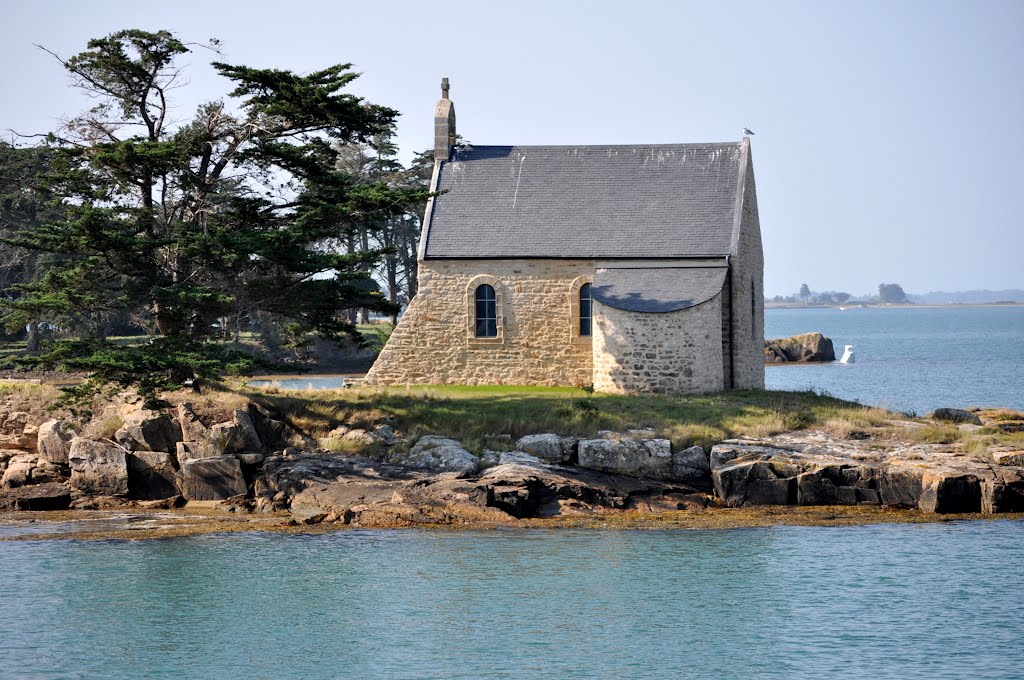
(748, 294)
(537, 343)
(673, 353)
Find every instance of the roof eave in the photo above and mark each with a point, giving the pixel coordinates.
(428, 214)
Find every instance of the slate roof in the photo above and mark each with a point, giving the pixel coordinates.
(634, 201)
(658, 290)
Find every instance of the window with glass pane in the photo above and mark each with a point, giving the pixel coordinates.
(486, 312)
(753, 310)
(585, 306)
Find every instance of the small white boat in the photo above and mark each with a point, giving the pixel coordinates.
(848, 357)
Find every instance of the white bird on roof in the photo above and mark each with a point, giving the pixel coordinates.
(748, 131)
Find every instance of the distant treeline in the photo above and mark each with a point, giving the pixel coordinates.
(969, 297)
(893, 293)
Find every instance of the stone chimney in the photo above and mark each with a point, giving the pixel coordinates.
(444, 125)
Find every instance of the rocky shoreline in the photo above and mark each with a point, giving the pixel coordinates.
(207, 518)
(257, 466)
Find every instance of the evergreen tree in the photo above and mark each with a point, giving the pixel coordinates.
(22, 205)
(234, 215)
(891, 293)
(397, 236)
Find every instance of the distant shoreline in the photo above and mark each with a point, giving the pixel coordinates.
(797, 305)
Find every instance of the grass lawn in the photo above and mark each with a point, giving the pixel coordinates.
(478, 416)
(495, 417)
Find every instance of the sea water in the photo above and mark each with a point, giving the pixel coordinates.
(910, 358)
(907, 601)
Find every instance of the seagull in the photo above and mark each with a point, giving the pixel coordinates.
(748, 131)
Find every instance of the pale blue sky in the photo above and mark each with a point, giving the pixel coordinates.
(888, 137)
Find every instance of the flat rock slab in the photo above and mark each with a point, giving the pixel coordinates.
(146, 430)
(358, 490)
(550, 448)
(19, 471)
(151, 475)
(250, 458)
(21, 441)
(756, 482)
(50, 496)
(1015, 458)
(24, 469)
(955, 415)
(645, 458)
(518, 458)
(98, 468)
(536, 490)
(811, 471)
(249, 438)
(692, 466)
(436, 454)
(192, 428)
(211, 479)
(184, 451)
(54, 440)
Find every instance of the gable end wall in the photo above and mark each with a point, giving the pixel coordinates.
(747, 274)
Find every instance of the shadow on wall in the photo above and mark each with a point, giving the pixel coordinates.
(617, 369)
(640, 302)
(642, 353)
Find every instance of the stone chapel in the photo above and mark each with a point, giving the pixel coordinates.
(635, 268)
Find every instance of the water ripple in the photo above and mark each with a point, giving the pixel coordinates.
(887, 600)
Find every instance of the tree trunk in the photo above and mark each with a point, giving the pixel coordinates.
(392, 268)
(364, 244)
(161, 326)
(33, 337)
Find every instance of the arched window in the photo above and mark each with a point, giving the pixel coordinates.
(586, 304)
(486, 312)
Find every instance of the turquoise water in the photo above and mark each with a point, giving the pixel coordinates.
(911, 359)
(313, 383)
(935, 600)
(303, 382)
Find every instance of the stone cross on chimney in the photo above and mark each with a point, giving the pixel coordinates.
(444, 125)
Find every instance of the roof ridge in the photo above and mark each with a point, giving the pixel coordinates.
(600, 146)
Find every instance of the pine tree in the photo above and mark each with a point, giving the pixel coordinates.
(22, 205)
(891, 293)
(233, 215)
